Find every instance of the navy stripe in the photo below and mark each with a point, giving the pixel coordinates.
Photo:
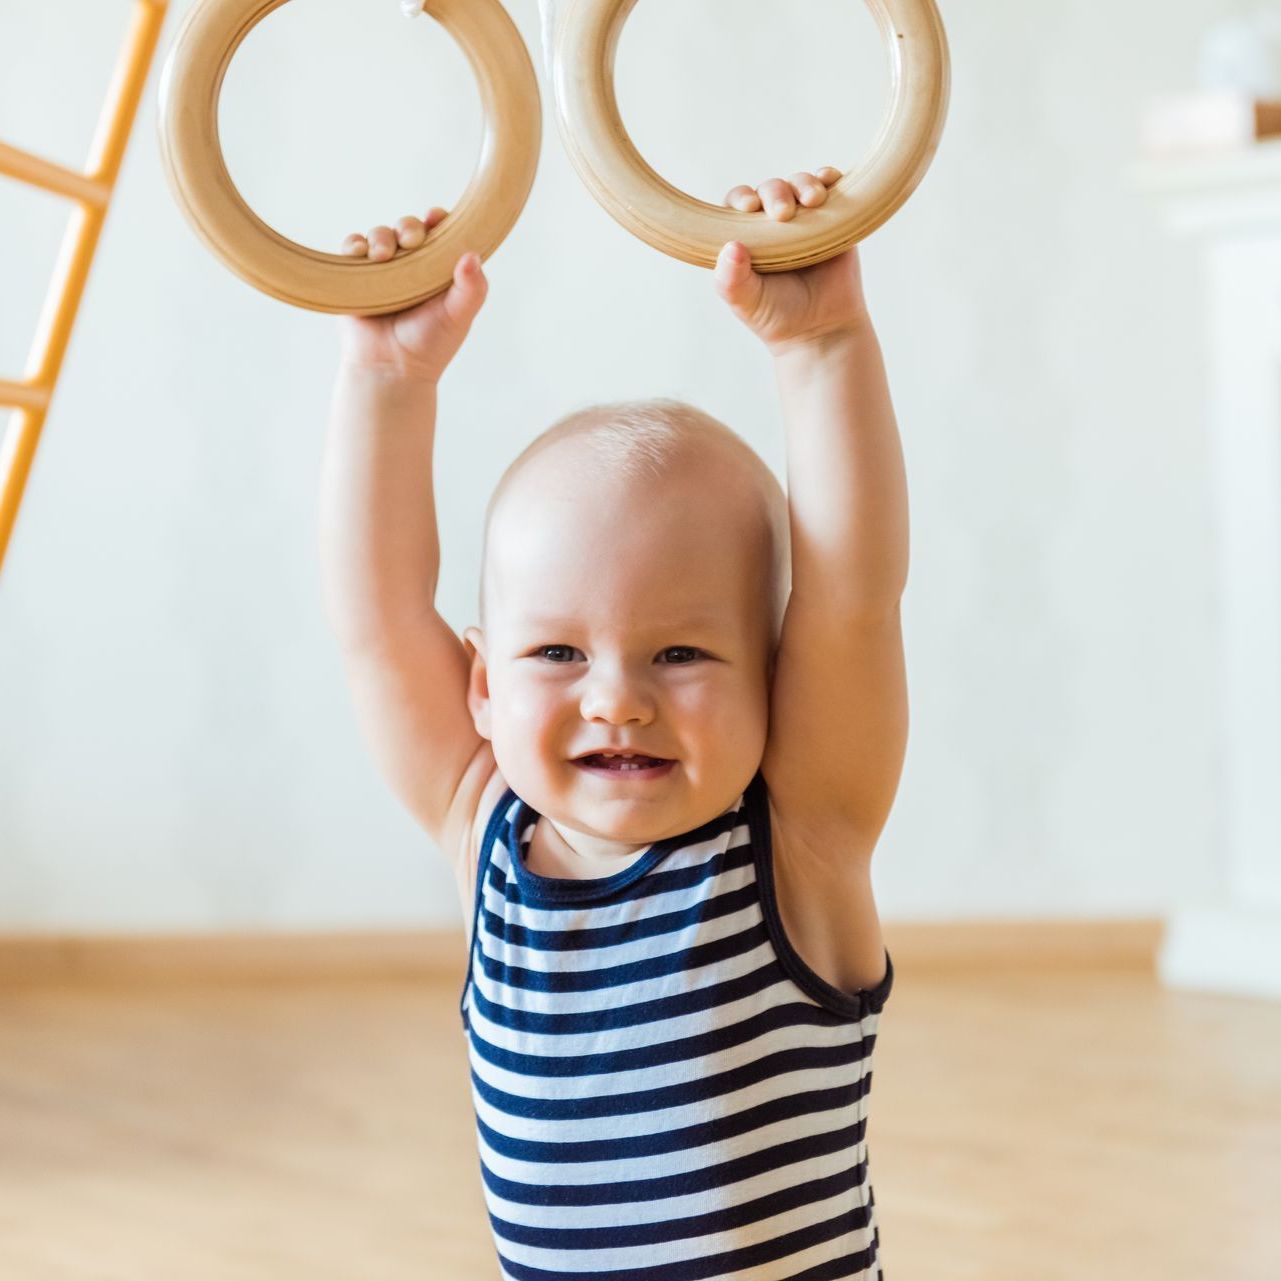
(681, 1183)
(630, 972)
(590, 937)
(618, 1016)
(699, 1090)
(666, 881)
(689, 1136)
(678, 1050)
(639, 1234)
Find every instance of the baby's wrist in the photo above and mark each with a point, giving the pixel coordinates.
(382, 374)
(833, 344)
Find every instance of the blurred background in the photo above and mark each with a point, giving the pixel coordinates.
(1078, 312)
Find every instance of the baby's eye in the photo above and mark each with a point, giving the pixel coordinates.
(682, 649)
(543, 650)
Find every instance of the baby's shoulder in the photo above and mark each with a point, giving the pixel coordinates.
(479, 792)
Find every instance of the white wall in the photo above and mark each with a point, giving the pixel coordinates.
(177, 749)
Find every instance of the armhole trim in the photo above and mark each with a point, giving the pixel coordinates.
(496, 817)
(848, 1005)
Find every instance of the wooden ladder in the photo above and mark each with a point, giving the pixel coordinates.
(91, 192)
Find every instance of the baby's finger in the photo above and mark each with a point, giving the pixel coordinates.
(434, 215)
(827, 175)
(809, 190)
(743, 197)
(410, 232)
(734, 278)
(467, 291)
(355, 244)
(382, 244)
(780, 201)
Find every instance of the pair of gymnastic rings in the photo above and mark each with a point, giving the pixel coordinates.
(593, 133)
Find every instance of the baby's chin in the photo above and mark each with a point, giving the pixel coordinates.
(623, 805)
(639, 807)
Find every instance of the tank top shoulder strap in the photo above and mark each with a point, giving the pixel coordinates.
(497, 817)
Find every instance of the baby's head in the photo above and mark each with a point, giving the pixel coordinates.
(634, 576)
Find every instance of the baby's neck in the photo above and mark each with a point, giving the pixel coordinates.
(551, 853)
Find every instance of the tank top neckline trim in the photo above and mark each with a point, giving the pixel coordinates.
(570, 889)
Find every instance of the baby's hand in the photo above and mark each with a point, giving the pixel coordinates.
(786, 309)
(420, 341)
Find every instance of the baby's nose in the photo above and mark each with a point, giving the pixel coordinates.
(617, 699)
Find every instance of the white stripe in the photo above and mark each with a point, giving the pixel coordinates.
(609, 998)
(644, 1079)
(654, 1032)
(682, 1251)
(628, 1168)
(655, 1120)
(647, 948)
(689, 1205)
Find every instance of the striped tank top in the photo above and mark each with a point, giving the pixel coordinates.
(664, 1090)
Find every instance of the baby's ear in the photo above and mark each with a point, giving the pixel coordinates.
(477, 682)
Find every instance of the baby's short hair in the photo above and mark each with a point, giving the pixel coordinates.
(645, 440)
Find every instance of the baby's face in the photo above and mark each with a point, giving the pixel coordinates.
(619, 618)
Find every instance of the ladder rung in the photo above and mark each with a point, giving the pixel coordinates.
(53, 177)
(23, 395)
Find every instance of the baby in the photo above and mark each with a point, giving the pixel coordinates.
(658, 770)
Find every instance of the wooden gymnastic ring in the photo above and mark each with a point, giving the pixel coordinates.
(695, 231)
(192, 154)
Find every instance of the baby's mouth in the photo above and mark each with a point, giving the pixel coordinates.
(623, 764)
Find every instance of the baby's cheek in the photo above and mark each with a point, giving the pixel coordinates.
(743, 712)
(715, 708)
(531, 713)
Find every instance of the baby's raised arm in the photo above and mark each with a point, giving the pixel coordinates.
(379, 546)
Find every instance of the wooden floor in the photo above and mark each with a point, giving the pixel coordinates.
(1048, 1127)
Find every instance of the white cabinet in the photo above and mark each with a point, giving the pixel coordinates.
(1229, 207)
